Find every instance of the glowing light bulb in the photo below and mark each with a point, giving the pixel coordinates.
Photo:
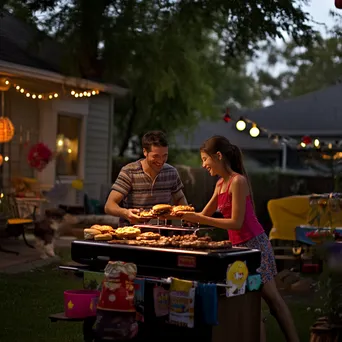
(316, 143)
(93, 92)
(50, 97)
(303, 144)
(22, 90)
(69, 150)
(76, 95)
(34, 96)
(254, 131)
(6, 159)
(7, 82)
(241, 125)
(28, 94)
(55, 95)
(81, 95)
(73, 92)
(17, 87)
(330, 146)
(40, 96)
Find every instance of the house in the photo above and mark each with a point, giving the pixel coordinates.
(72, 116)
(317, 114)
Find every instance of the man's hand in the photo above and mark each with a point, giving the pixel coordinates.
(132, 217)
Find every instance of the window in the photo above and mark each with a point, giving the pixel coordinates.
(68, 145)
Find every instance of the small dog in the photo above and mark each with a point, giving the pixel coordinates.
(46, 231)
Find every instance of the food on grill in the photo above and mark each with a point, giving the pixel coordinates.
(148, 214)
(90, 233)
(127, 233)
(180, 208)
(185, 241)
(162, 209)
(149, 236)
(103, 237)
(220, 244)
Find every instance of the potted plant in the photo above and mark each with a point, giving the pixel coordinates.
(328, 327)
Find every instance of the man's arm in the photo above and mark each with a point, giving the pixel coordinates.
(112, 205)
(178, 196)
(112, 208)
(120, 189)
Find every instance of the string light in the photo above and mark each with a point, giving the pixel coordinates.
(305, 142)
(51, 95)
(86, 93)
(254, 131)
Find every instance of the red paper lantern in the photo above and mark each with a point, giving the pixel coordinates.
(338, 4)
(307, 140)
(226, 116)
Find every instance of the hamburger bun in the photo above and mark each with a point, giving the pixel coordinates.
(179, 208)
(105, 229)
(162, 209)
(90, 233)
(103, 237)
(95, 226)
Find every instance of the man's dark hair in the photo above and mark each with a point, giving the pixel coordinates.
(154, 138)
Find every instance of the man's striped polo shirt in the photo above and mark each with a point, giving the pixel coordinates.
(140, 191)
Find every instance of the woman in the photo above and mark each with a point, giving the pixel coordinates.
(233, 198)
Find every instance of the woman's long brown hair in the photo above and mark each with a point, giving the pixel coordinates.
(232, 156)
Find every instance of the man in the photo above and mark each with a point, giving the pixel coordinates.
(146, 182)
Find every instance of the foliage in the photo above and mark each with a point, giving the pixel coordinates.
(306, 68)
(178, 58)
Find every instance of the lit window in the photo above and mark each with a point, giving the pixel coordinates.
(67, 145)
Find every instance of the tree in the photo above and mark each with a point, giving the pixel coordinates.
(305, 68)
(178, 58)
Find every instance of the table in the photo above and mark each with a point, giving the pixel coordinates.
(301, 232)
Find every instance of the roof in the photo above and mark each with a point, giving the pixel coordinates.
(24, 44)
(27, 52)
(317, 114)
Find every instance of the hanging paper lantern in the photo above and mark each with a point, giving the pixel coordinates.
(226, 116)
(1, 159)
(39, 156)
(338, 4)
(6, 129)
(306, 140)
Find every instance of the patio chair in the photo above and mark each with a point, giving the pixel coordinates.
(16, 225)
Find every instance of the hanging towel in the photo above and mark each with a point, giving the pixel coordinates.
(208, 303)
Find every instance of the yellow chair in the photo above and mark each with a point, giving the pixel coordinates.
(286, 214)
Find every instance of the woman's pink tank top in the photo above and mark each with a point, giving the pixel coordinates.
(250, 227)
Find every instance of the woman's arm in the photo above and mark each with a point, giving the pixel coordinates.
(239, 190)
(211, 206)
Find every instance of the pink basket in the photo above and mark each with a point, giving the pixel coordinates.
(80, 303)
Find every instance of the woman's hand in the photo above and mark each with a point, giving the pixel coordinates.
(190, 216)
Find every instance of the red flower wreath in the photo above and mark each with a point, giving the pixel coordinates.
(39, 156)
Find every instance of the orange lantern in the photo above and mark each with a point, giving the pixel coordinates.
(6, 129)
(1, 159)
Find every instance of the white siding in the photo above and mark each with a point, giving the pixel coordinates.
(24, 114)
(98, 145)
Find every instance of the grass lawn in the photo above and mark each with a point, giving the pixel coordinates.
(28, 298)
